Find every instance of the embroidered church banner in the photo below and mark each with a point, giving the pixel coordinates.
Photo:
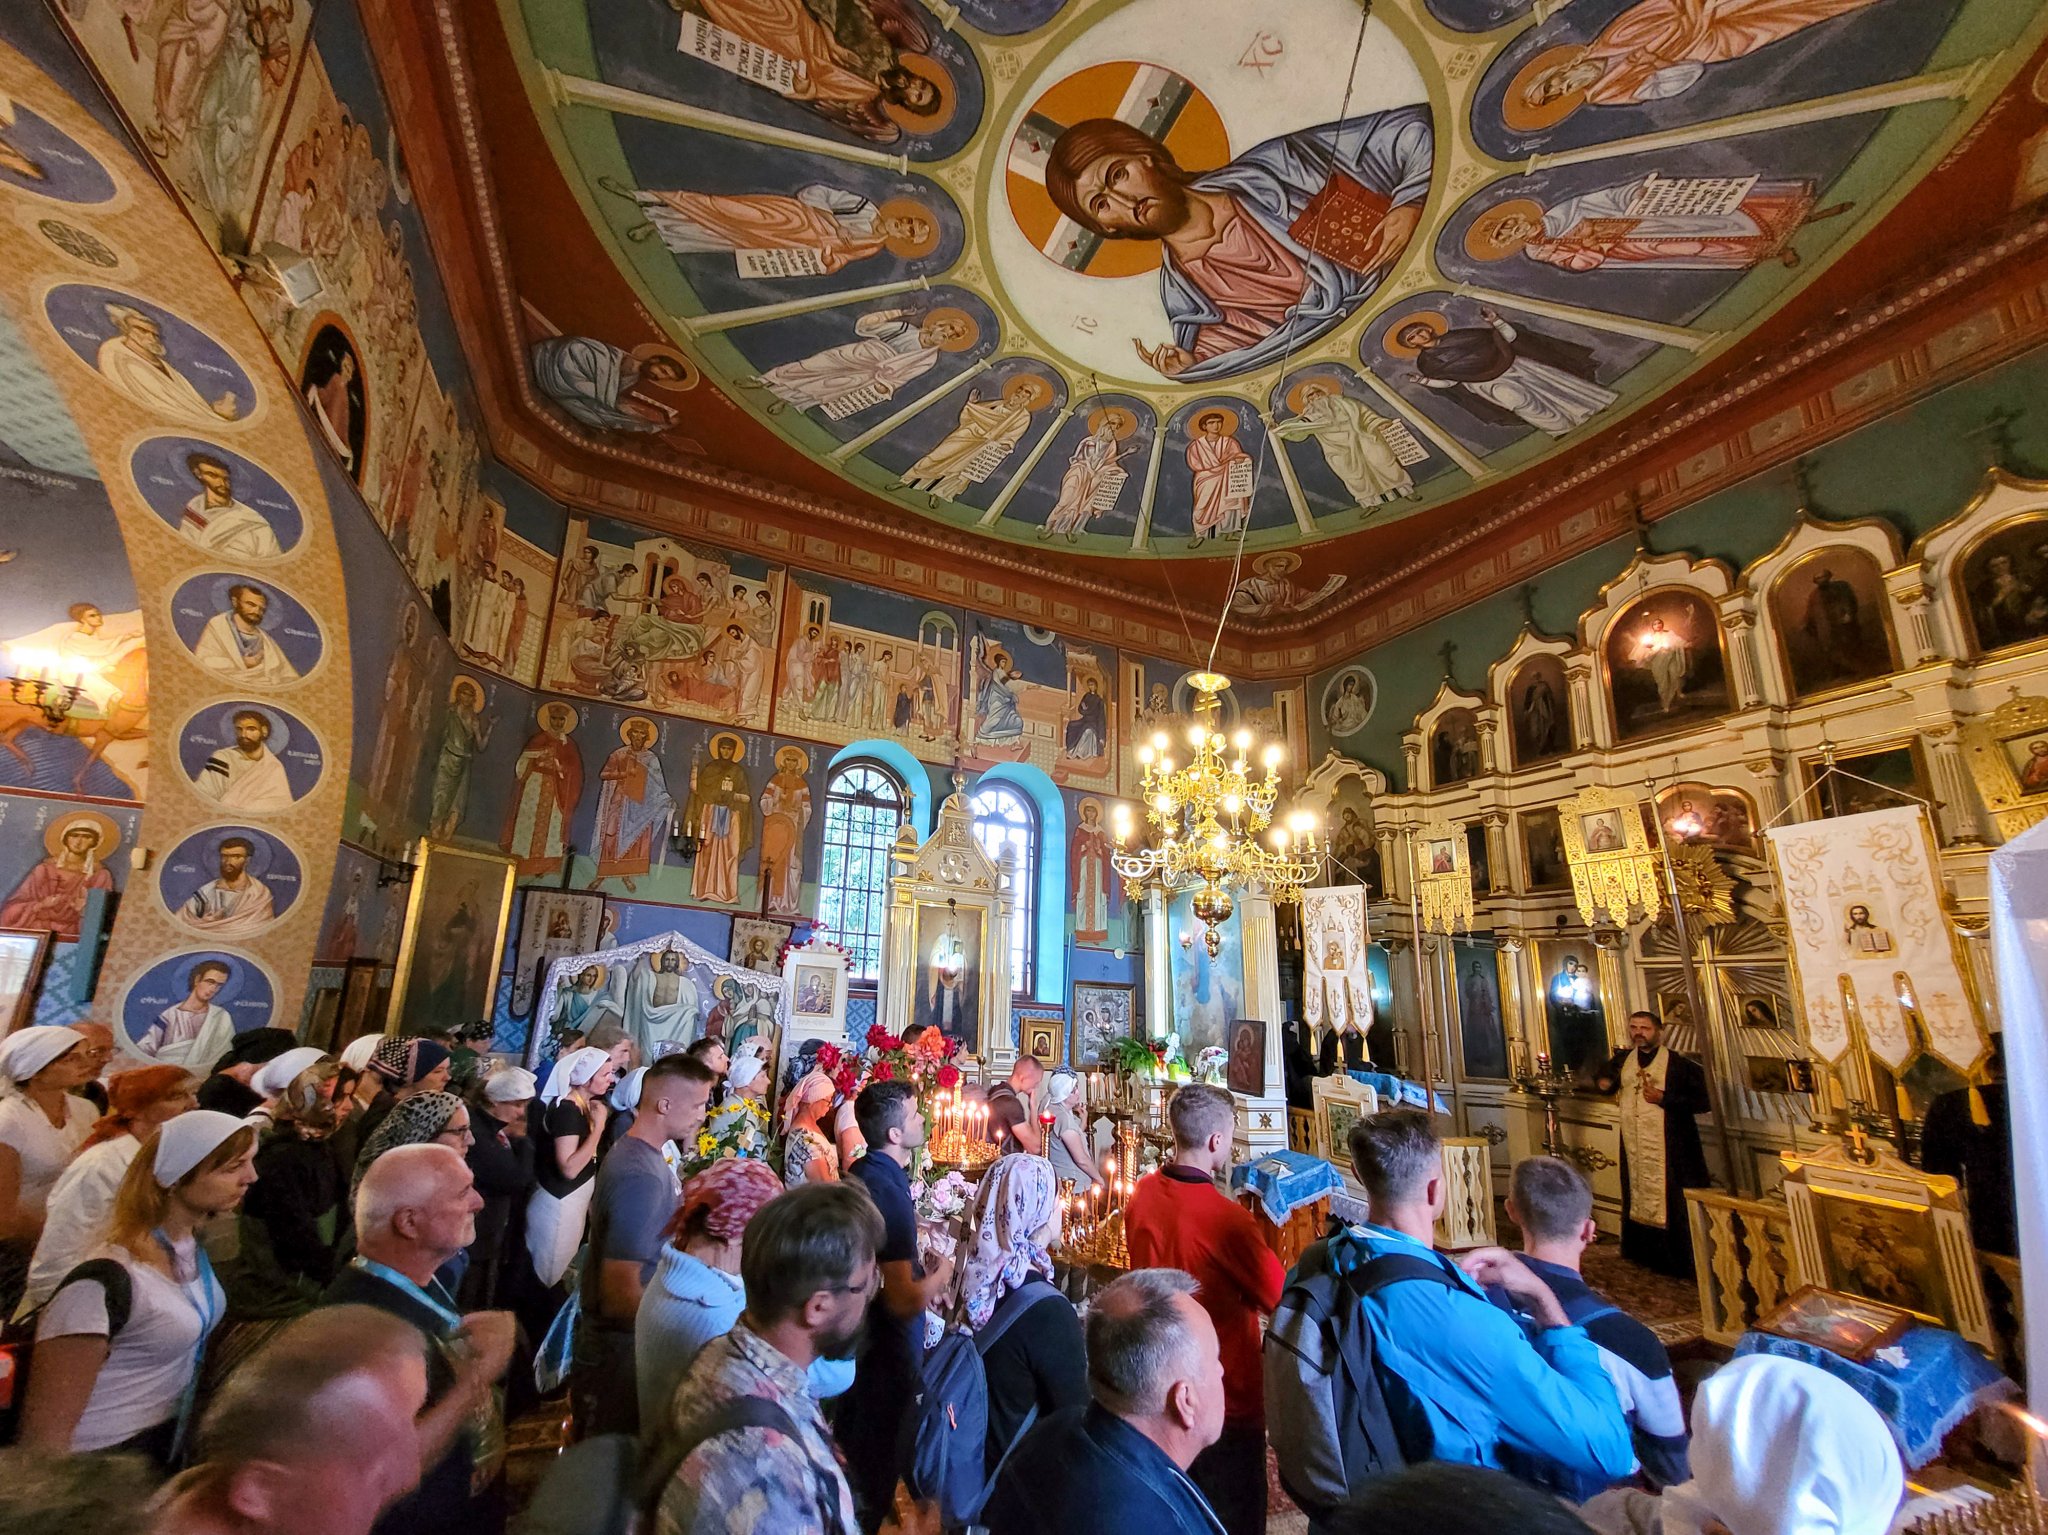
(1871, 942)
(1333, 935)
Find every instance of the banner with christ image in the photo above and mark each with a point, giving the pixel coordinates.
(1338, 986)
(1871, 942)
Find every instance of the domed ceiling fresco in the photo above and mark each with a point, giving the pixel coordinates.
(1134, 276)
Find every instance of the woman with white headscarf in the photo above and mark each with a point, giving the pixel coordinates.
(274, 1077)
(119, 1346)
(1067, 1147)
(808, 1155)
(42, 1125)
(1778, 1448)
(501, 1160)
(1027, 1332)
(565, 1163)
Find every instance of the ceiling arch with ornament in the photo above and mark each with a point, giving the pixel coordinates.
(1132, 278)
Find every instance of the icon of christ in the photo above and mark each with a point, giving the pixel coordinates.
(1264, 252)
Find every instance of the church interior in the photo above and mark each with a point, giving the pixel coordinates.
(526, 523)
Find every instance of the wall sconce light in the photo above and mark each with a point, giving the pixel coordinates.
(395, 871)
(682, 841)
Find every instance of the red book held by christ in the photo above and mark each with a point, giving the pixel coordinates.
(1340, 222)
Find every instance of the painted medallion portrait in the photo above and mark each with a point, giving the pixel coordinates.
(217, 500)
(1664, 668)
(250, 758)
(150, 356)
(39, 157)
(246, 632)
(186, 1009)
(1348, 700)
(1830, 614)
(230, 882)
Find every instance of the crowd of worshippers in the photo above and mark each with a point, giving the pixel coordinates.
(773, 1346)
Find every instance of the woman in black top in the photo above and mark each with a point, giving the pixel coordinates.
(227, 1090)
(1038, 1363)
(407, 1066)
(572, 1121)
(501, 1160)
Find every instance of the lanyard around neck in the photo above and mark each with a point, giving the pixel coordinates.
(435, 1300)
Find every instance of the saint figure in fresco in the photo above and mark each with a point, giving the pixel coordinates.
(1657, 49)
(785, 813)
(721, 798)
(1263, 253)
(1506, 375)
(246, 774)
(1091, 483)
(1094, 883)
(1220, 507)
(598, 384)
(663, 1006)
(984, 436)
(51, 896)
(235, 645)
(235, 902)
(633, 807)
(831, 224)
(547, 782)
(194, 1030)
(217, 522)
(892, 348)
(135, 361)
(464, 734)
(1354, 442)
(998, 721)
(1656, 223)
(1086, 737)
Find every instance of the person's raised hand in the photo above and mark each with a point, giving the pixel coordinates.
(1497, 1266)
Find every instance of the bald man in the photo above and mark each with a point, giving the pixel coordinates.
(415, 1209)
(313, 1435)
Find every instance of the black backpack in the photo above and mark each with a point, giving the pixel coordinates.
(17, 1341)
(1326, 1411)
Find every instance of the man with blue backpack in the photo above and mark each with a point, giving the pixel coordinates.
(1385, 1353)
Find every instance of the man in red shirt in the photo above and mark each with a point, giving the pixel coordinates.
(1178, 1218)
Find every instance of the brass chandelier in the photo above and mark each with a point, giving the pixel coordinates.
(1206, 819)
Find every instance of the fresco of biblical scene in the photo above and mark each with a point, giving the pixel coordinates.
(1212, 482)
(37, 156)
(1833, 621)
(1095, 891)
(1492, 377)
(1453, 748)
(877, 73)
(647, 620)
(72, 620)
(1156, 696)
(607, 388)
(436, 514)
(246, 632)
(217, 500)
(1351, 451)
(1539, 711)
(332, 384)
(186, 1009)
(849, 368)
(230, 882)
(1661, 235)
(859, 662)
(506, 576)
(1664, 664)
(205, 86)
(1038, 698)
(150, 357)
(1543, 860)
(1603, 70)
(2003, 586)
(1091, 476)
(757, 224)
(250, 758)
(53, 855)
(1196, 230)
(1208, 993)
(1697, 812)
(967, 447)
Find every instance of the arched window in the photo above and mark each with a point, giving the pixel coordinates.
(863, 807)
(1003, 818)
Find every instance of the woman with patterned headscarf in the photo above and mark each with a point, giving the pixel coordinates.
(572, 1123)
(1032, 1350)
(808, 1155)
(82, 1199)
(423, 1119)
(696, 1294)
